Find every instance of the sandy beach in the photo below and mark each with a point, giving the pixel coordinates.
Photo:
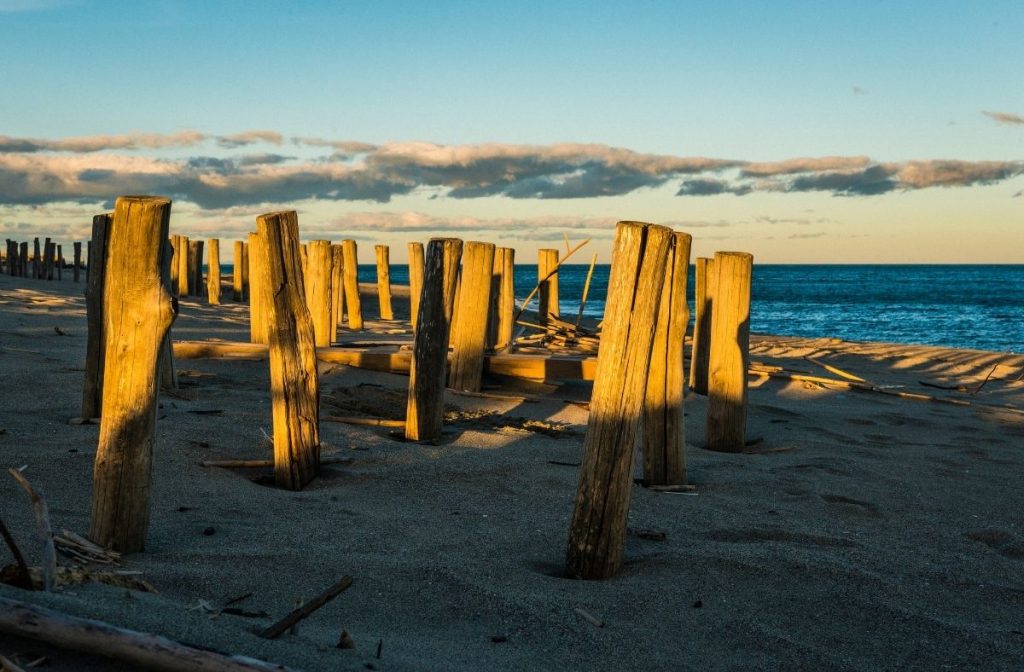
(860, 531)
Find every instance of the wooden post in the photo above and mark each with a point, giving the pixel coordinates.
(196, 266)
(664, 435)
(598, 529)
(703, 311)
(353, 305)
(175, 257)
(384, 281)
(317, 284)
(95, 346)
(213, 274)
(474, 306)
(24, 259)
(547, 261)
(37, 261)
(415, 280)
(236, 272)
(293, 377)
(425, 407)
(729, 352)
(60, 262)
(10, 257)
(78, 259)
(49, 254)
(503, 298)
(337, 288)
(255, 273)
(245, 271)
(139, 310)
(184, 277)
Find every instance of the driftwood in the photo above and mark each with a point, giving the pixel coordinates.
(44, 533)
(551, 272)
(586, 289)
(142, 650)
(835, 369)
(258, 464)
(24, 578)
(289, 621)
(365, 422)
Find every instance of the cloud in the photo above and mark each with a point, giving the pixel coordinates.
(858, 91)
(711, 187)
(96, 143)
(417, 222)
(249, 138)
(1005, 118)
(805, 165)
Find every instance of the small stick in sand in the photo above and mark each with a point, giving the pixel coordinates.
(365, 422)
(277, 629)
(589, 618)
(835, 369)
(586, 290)
(43, 529)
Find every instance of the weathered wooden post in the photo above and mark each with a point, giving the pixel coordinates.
(257, 319)
(23, 255)
(95, 345)
(384, 281)
(47, 273)
(317, 285)
(664, 435)
(547, 296)
(474, 305)
(503, 298)
(60, 262)
(139, 310)
(337, 288)
(213, 274)
(598, 529)
(730, 352)
(184, 264)
(196, 266)
(703, 310)
(352, 303)
(415, 280)
(425, 407)
(236, 271)
(175, 259)
(10, 257)
(78, 259)
(246, 290)
(37, 261)
(293, 378)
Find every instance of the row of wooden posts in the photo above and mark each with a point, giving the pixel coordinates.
(43, 264)
(638, 388)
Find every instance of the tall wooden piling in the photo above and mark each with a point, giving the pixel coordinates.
(353, 305)
(23, 259)
(60, 262)
(196, 248)
(48, 251)
(664, 435)
(245, 271)
(425, 407)
(293, 377)
(139, 310)
(78, 260)
(317, 285)
(729, 352)
(384, 281)
(337, 289)
(257, 319)
(183, 256)
(37, 261)
(503, 298)
(547, 296)
(700, 346)
(213, 274)
(175, 259)
(236, 271)
(95, 344)
(598, 529)
(415, 280)
(474, 306)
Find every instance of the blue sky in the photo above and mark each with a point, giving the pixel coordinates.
(471, 98)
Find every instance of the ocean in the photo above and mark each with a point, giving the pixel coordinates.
(962, 306)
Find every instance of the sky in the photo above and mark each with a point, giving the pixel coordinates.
(802, 132)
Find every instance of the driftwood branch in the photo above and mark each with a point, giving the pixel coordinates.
(25, 579)
(43, 530)
(245, 464)
(547, 277)
(277, 629)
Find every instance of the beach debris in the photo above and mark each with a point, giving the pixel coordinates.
(560, 463)
(499, 639)
(143, 650)
(81, 550)
(366, 422)
(345, 641)
(6, 665)
(380, 647)
(59, 331)
(256, 464)
(207, 411)
(75, 576)
(22, 579)
(278, 628)
(44, 533)
(678, 489)
(643, 533)
(835, 369)
(589, 618)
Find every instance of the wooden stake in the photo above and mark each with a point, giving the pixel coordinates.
(415, 280)
(184, 264)
(586, 289)
(138, 309)
(175, 262)
(60, 262)
(730, 352)
(546, 263)
(195, 266)
(47, 270)
(353, 305)
(337, 289)
(213, 274)
(78, 259)
(701, 340)
(24, 259)
(598, 529)
(503, 292)
(95, 346)
(317, 284)
(664, 435)
(255, 274)
(236, 271)
(37, 261)
(293, 375)
(424, 410)
(384, 282)
(470, 322)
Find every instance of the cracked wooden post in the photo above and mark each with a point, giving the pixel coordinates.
(37, 261)
(60, 262)
(353, 305)
(139, 310)
(293, 376)
(503, 298)
(47, 270)
(317, 284)
(474, 306)
(78, 260)
(195, 266)
(415, 280)
(245, 271)
(547, 296)
(425, 406)
(729, 355)
(257, 303)
(236, 271)
(95, 345)
(23, 256)
(384, 281)
(337, 289)
(598, 529)
(183, 256)
(664, 435)
(213, 274)
(700, 341)
(176, 256)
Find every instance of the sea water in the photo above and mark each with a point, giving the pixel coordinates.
(961, 306)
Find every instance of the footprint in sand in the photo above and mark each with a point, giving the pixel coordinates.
(1000, 541)
(850, 506)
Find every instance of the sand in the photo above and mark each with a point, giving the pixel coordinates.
(861, 531)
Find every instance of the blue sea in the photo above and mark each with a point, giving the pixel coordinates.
(961, 306)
